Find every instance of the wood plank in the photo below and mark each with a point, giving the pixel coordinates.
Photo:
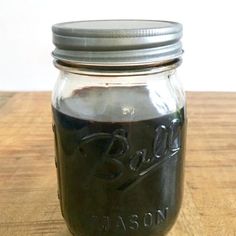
(28, 198)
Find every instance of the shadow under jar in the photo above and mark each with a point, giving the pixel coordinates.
(119, 124)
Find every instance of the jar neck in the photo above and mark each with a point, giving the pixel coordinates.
(119, 70)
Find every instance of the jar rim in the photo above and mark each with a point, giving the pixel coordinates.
(117, 71)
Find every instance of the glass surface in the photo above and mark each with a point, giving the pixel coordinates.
(119, 144)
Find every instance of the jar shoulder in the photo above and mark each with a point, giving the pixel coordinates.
(118, 99)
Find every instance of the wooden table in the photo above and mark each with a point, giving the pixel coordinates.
(28, 199)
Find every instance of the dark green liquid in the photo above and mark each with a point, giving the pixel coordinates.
(119, 178)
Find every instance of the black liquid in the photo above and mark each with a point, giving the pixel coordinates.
(119, 178)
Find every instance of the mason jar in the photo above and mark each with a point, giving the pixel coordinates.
(119, 124)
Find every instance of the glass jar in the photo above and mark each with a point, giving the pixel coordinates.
(119, 123)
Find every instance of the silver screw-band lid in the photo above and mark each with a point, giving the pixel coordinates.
(117, 42)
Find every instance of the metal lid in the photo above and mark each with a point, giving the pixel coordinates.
(117, 42)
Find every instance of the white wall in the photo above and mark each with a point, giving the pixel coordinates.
(209, 37)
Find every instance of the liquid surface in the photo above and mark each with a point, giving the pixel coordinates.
(119, 178)
(117, 104)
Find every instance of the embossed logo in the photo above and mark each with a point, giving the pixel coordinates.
(130, 222)
(114, 148)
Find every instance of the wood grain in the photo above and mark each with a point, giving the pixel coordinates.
(28, 198)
